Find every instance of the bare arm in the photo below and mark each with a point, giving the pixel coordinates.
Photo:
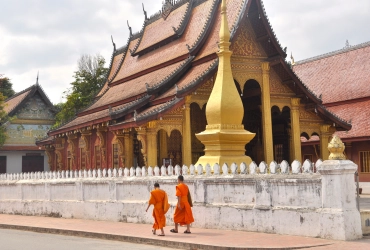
(147, 208)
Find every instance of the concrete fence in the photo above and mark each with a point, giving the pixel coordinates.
(276, 198)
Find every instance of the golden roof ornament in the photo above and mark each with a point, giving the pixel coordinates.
(336, 148)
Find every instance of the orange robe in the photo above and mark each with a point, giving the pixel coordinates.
(184, 215)
(158, 198)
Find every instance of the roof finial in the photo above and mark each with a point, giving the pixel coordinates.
(347, 45)
(37, 78)
(224, 30)
(145, 14)
(292, 58)
(114, 45)
(129, 28)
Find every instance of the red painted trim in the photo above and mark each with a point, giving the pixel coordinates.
(333, 104)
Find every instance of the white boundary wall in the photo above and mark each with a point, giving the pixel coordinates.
(285, 201)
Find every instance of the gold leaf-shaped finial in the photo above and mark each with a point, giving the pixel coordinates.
(336, 148)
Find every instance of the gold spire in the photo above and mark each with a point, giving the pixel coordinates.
(224, 105)
(224, 137)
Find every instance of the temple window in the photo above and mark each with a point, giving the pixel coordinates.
(279, 152)
(365, 161)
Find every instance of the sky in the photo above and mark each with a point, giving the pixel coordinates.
(49, 36)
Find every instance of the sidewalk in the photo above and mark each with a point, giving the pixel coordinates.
(199, 239)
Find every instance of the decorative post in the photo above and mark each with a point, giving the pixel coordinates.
(340, 219)
(266, 114)
(296, 133)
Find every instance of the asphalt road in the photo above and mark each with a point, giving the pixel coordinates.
(23, 240)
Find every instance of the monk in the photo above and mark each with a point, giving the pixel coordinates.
(183, 214)
(159, 199)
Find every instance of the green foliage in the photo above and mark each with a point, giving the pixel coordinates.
(6, 87)
(89, 79)
(3, 119)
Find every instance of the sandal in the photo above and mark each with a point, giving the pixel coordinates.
(173, 231)
(160, 234)
(153, 231)
(187, 232)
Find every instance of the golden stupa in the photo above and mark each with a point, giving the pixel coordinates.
(225, 137)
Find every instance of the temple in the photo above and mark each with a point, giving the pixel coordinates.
(32, 115)
(341, 78)
(154, 100)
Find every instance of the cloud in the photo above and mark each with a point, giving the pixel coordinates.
(50, 36)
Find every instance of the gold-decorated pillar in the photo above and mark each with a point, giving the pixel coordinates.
(295, 131)
(324, 141)
(186, 138)
(152, 148)
(266, 114)
(163, 149)
(225, 137)
(129, 148)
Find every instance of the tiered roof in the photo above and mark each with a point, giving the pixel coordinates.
(173, 54)
(342, 79)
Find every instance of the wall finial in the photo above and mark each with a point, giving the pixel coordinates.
(336, 148)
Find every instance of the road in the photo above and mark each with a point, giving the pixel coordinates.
(23, 240)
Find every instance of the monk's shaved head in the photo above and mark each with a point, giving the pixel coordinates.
(156, 185)
(180, 178)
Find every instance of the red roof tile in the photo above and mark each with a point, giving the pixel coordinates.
(338, 76)
(134, 87)
(161, 29)
(14, 101)
(175, 49)
(358, 113)
(193, 74)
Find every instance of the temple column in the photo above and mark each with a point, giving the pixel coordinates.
(266, 114)
(86, 136)
(296, 132)
(152, 148)
(163, 149)
(129, 148)
(349, 150)
(324, 141)
(186, 136)
(50, 152)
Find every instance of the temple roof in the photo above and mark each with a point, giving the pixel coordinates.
(12, 103)
(338, 76)
(173, 54)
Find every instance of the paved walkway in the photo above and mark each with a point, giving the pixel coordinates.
(199, 239)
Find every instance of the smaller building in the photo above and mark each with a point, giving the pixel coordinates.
(32, 114)
(342, 79)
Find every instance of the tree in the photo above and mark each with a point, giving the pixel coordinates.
(89, 79)
(6, 87)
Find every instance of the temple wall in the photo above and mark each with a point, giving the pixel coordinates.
(307, 204)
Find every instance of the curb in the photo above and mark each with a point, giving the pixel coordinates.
(140, 240)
